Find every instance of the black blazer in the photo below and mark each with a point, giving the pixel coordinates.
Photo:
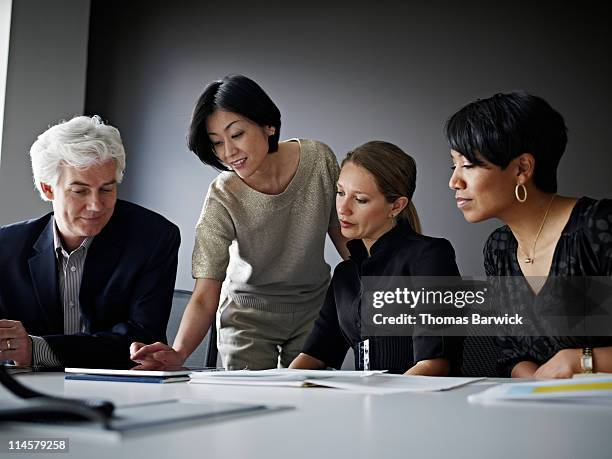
(399, 252)
(126, 288)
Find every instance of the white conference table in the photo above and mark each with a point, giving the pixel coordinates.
(331, 423)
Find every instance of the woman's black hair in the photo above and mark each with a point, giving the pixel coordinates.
(238, 94)
(505, 126)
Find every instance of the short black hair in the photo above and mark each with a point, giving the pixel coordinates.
(238, 94)
(505, 126)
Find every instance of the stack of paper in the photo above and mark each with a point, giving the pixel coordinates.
(274, 377)
(590, 390)
(366, 382)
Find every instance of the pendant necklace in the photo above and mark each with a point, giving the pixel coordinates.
(531, 259)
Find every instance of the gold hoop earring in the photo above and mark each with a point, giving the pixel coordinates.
(516, 192)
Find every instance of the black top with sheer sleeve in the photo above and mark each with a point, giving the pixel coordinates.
(584, 249)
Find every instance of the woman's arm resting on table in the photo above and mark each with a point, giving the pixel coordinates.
(198, 316)
(307, 362)
(566, 363)
(430, 367)
(602, 359)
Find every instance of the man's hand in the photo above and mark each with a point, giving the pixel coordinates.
(564, 364)
(15, 343)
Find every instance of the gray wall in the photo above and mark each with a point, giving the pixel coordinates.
(345, 75)
(45, 83)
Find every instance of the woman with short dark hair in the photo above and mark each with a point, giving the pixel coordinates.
(262, 230)
(505, 152)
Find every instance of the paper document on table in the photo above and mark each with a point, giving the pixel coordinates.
(274, 377)
(368, 382)
(393, 384)
(589, 390)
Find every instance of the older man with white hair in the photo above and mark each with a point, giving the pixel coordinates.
(79, 284)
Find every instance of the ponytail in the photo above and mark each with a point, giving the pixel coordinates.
(410, 215)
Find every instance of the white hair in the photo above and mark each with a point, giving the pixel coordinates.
(80, 142)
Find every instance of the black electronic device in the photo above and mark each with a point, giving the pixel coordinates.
(41, 407)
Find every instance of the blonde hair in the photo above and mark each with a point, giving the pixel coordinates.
(394, 172)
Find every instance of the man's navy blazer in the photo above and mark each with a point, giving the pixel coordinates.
(126, 288)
